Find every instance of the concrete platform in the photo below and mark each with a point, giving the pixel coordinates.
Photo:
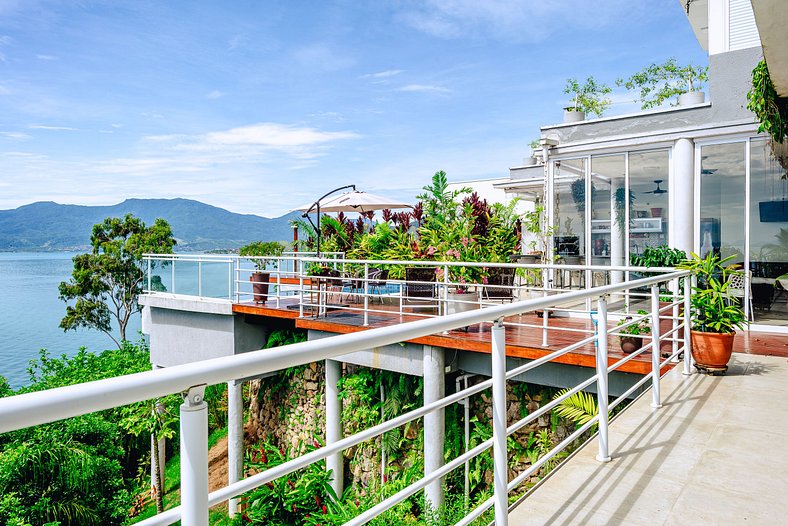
(714, 453)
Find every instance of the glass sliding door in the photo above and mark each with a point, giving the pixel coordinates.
(569, 206)
(608, 175)
(768, 236)
(648, 199)
(722, 200)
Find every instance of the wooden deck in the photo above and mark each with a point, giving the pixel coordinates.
(522, 342)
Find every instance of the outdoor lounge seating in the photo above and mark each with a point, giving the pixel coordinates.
(421, 288)
(500, 285)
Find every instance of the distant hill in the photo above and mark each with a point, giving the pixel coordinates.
(196, 226)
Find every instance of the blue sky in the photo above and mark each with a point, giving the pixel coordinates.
(260, 106)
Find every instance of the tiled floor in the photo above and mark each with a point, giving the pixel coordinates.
(713, 454)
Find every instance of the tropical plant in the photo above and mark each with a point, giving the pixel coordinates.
(259, 250)
(640, 327)
(770, 111)
(659, 82)
(713, 308)
(589, 97)
(107, 281)
(658, 256)
(580, 407)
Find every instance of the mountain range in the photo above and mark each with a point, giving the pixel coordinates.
(49, 226)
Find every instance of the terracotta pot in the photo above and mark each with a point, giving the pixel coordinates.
(630, 344)
(712, 349)
(260, 286)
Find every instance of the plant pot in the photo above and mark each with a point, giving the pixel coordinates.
(260, 286)
(712, 350)
(574, 116)
(630, 344)
(692, 97)
(464, 302)
(529, 161)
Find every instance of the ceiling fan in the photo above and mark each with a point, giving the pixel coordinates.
(657, 190)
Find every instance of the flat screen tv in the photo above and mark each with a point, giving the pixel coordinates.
(773, 211)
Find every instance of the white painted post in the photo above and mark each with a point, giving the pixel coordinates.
(687, 327)
(235, 437)
(655, 352)
(149, 276)
(603, 454)
(334, 424)
(500, 456)
(434, 422)
(366, 294)
(173, 275)
(199, 278)
(194, 458)
(674, 289)
(300, 288)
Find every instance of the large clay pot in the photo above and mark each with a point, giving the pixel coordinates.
(260, 286)
(630, 344)
(712, 350)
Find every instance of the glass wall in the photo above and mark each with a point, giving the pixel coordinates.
(722, 198)
(569, 194)
(607, 221)
(648, 199)
(768, 235)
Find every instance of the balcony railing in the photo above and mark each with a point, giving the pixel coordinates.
(37, 408)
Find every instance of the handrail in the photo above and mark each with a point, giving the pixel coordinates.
(47, 406)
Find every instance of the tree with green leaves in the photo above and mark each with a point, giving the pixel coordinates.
(660, 82)
(107, 281)
(590, 97)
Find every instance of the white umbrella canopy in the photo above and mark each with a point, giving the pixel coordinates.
(355, 201)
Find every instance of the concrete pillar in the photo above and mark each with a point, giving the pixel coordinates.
(434, 423)
(682, 190)
(235, 437)
(334, 424)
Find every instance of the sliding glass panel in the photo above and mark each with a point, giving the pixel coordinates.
(722, 187)
(648, 199)
(607, 223)
(768, 236)
(569, 190)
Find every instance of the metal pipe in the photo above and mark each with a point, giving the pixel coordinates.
(655, 343)
(601, 371)
(194, 458)
(235, 438)
(500, 457)
(687, 327)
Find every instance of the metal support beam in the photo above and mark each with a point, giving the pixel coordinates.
(235, 437)
(434, 423)
(601, 370)
(500, 456)
(194, 457)
(334, 424)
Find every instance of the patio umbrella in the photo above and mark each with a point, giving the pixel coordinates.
(353, 201)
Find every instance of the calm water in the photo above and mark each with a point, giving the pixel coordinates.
(30, 313)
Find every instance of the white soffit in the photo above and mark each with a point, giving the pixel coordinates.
(771, 17)
(698, 17)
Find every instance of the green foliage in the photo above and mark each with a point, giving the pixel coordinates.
(107, 281)
(580, 408)
(590, 97)
(5, 387)
(260, 249)
(769, 109)
(660, 82)
(712, 307)
(642, 326)
(659, 256)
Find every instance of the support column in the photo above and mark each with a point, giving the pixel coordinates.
(235, 437)
(334, 424)
(194, 458)
(682, 216)
(434, 423)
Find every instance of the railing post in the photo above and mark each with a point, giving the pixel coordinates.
(173, 275)
(334, 424)
(235, 437)
(444, 309)
(687, 327)
(500, 456)
(674, 289)
(655, 344)
(601, 370)
(194, 458)
(230, 274)
(149, 272)
(199, 278)
(366, 294)
(300, 288)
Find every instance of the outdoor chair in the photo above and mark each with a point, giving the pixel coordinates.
(500, 285)
(420, 289)
(377, 281)
(737, 285)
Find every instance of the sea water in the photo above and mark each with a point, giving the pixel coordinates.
(30, 313)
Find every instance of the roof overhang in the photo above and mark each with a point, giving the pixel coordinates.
(771, 17)
(698, 16)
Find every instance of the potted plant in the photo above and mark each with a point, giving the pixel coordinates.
(590, 97)
(660, 82)
(715, 312)
(535, 150)
(257, 251)
(634, 333)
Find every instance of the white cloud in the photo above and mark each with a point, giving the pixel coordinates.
(215, 94)
(321, 57)
(52, 128)
(46, 57)
(424, 88)
(383, 74)
(19, 136)
(515, 20)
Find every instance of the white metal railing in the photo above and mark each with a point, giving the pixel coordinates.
(41, 407)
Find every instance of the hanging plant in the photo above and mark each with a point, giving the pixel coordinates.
(770, 110)
(620, 208)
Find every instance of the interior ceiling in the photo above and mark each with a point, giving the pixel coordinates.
(771, 17)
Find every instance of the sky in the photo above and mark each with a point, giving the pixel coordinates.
(262, 106)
